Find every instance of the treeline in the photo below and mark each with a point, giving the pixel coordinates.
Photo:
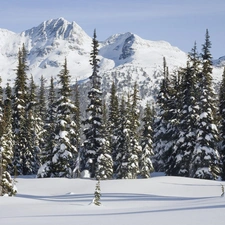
(43, 133)
(189, 130)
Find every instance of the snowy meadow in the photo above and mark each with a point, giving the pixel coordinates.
(158, 200)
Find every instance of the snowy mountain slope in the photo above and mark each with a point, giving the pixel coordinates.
(219, 62)
(125, 58)
(129, 59)
(130, 48)
(158, 200)
(47, 44)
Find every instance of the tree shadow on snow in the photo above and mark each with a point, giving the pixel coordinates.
(108, 197)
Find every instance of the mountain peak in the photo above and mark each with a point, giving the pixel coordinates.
(58, 28)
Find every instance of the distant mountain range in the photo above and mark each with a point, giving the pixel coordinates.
(125, 58)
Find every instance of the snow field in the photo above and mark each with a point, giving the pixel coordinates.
(158, 200)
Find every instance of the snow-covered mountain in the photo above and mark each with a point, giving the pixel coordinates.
(219, 62)
(47, 44)
(125, 58)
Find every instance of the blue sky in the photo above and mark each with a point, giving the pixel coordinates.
(180, 22)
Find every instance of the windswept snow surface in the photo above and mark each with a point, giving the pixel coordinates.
(158, 200)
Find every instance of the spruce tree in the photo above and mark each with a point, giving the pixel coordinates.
(160, 135)
(135, 150)
(34, 129)
(113, 122)
(185, 141)
(124, 169)
(49, 139)
(42, 99)
(77, 120)
(94, 143)
(222, 122)
(77, 114)
(41, 112)
(104, 168)
(97, 194)
(174, 105)
(179, 164)
(19, 117)
(6, 148)
(64, 149)
(205, 158)
(146, 166)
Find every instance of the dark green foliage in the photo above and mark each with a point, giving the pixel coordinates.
(146, 166)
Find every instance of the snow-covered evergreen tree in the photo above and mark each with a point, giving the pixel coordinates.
(205, 161)
(42, 99)
(125, 170)
(185, 141)
(222, 121)
(64, 149)
(172, 117)
(121, 144)
(104, 168)
(6, 147)
(146, 166)
(21, 165)
(34, 128)
(97, 194)
(94, 143)
(49, 139)
(160, 135)
(113, 123)
(134, 118)
(77, 120)
(41, 112)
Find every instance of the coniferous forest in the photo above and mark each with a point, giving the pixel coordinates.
(44, 132)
